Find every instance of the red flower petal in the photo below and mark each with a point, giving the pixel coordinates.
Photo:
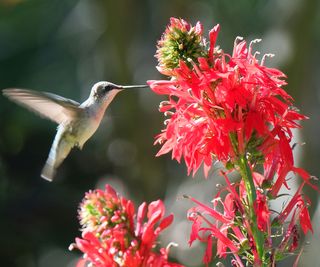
(305, 221)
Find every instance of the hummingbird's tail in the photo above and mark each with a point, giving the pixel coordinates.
(58, 152)
(48, 172)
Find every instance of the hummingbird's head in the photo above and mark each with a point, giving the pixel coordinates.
(101, 90)
(106, 90)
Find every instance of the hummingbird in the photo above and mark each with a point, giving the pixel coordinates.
(76, 122)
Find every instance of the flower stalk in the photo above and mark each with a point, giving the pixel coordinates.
(247, 177)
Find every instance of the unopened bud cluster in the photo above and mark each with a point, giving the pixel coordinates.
(102, 209)
(180, 41)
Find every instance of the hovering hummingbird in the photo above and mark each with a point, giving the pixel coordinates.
(77, 122)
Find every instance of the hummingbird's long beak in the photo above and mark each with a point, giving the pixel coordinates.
(131, 86)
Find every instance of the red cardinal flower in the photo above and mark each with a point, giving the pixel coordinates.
(262, 212)
(233, 109)
(221, 106)
(298, 205)
(110, 236)
(226, 223)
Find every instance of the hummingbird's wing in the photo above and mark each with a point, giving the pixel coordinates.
(48, 105)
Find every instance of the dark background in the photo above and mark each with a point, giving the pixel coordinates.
(64, 47)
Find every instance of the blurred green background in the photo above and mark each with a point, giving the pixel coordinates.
(64, 47)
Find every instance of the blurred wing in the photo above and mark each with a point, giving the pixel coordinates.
(51, 106)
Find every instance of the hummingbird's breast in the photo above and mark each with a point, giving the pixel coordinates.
(80, 130)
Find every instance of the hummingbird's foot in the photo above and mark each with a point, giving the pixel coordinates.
(77, 144)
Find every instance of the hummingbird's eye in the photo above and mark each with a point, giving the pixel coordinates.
(107, 88)
(99, 92)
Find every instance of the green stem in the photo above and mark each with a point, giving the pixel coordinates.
(246, 174)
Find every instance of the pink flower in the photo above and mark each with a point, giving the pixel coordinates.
(110, 236)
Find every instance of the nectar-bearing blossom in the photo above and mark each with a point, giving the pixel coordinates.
(225, 220)
(221, 106)
(114, 235)
(233, 109)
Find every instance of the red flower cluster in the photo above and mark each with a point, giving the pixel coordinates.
(232, 108)
(225, 222)
(110, 236)
(221, 106)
